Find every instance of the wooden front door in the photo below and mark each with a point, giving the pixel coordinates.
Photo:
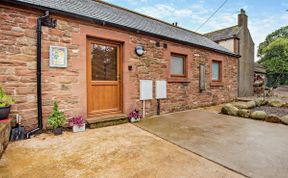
(104, 78)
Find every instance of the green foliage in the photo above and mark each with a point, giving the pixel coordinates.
(280, 33)
(274, 52)
(5, 100)
(57, 118)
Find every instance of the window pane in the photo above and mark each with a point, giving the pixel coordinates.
(104, 62)
(215, 70)
(177, 65)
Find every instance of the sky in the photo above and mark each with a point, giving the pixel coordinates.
(264, 16)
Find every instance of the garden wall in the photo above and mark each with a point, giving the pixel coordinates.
(5, 129)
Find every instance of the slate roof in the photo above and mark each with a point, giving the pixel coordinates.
(120, 17)
(223, 34)
(258, 68)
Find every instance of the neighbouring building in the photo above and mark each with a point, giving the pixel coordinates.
(238, 39)
(102, 72)
(259, 79)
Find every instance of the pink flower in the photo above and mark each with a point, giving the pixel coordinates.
(76, 120)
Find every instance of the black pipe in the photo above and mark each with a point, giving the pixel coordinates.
(39, 94)
(158, 106)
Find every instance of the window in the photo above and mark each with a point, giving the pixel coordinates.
(216, 71)
(104, 63)
(178, 65)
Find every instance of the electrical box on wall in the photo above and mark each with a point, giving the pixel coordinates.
(161, 89)
(146, 89)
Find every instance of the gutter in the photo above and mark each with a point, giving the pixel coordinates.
(101, 22)
(41, 21)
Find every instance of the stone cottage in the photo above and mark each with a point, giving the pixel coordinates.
(238, 39)
(108, 50)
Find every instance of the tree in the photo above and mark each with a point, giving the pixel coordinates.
(274, 52)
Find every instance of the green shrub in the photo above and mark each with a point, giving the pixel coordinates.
(57, 118)
(5, 100)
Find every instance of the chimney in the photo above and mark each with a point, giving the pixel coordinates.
(242, 19)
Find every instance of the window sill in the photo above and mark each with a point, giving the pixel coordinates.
(216, 84)
(178, 80)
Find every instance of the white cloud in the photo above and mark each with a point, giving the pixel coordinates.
(285, 17)
(130, 2)
(164, 11)
(196, 12)
(222, 20)
(135, 2)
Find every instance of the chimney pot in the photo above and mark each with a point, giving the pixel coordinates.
(242, 19)
(242, 11)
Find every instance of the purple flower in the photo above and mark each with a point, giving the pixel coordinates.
(76, 120)
(134, 114)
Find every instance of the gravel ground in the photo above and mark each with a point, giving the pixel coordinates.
(280, 111)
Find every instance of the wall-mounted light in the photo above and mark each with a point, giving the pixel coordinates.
(139, 50)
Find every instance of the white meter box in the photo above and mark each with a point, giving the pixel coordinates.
(161, 89)
(146, 89)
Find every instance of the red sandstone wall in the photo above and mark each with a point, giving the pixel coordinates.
(68, 86)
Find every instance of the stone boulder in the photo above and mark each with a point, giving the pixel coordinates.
(229, 109)
(284, 119)
(276, 103)
(273, 118)
(244, 113)
(260, 102)
(285, 105)
(251, 104)
(258, 115)
(241, 105)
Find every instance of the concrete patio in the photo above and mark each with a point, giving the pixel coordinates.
(119, 151)
(254, 148)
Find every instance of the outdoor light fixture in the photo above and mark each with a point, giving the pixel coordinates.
(139, 50)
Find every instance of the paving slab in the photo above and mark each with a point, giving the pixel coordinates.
(254, 148)
(123, 151)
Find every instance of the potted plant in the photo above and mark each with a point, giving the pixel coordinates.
(134, 116)
(77, 123)
(5, 104)
(56, 119)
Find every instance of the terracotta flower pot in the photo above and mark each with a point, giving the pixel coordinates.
(4, 112)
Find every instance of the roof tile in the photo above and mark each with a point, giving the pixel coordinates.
(109, 13)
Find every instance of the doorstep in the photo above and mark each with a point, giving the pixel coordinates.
(246, 99)
(104, 121)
